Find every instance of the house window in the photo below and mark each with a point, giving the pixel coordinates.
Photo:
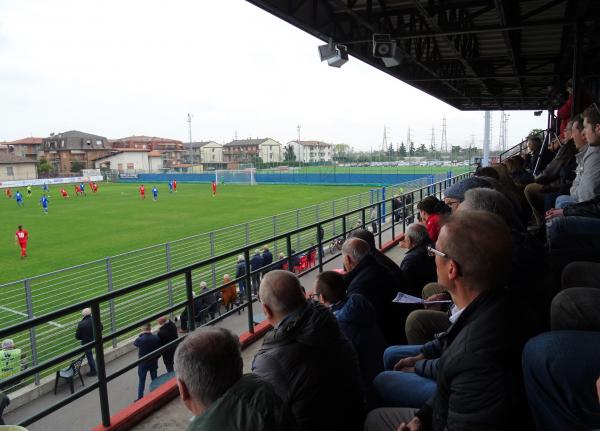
(120, 167)
(9, 171)
(213, 150)
(99, 142)
(213, 157)
(130, 166)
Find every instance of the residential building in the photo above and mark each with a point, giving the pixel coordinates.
(30, 148)
(172, 151)
(74, 150)
(312, 151)
(204, 152)
(129, 160)
(265, 150)
(14, 168)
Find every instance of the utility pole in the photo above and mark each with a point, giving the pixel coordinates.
(487, 130)
(299, 145)
(444, 142)
(432, 142)
(189, 120)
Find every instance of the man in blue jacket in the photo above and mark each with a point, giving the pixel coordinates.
(146, 343)
(256, 263)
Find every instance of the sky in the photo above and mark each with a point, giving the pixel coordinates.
(122, 68)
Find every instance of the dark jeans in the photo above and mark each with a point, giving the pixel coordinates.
(574, 232)
(168, 359)
(90, 358)
(142, 371)
(560, 369)
(399, 388)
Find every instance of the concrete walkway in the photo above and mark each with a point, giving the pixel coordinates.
(84, 413)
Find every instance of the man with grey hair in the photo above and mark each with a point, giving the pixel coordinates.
(240, 271)
(307, 359)
(375, 282)
(478, 375)
(493, 201)
(418, 268)
(212, 386)
(10, 359)
(85, 334)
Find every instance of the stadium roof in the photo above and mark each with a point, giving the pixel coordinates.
(471, 54)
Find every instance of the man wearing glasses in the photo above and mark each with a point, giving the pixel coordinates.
(478, 381)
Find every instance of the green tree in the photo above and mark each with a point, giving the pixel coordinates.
(411, 149)
(422, 150)
(536, 132)
(43, 166)
(402, 150)
(77, 166)
(288, 153)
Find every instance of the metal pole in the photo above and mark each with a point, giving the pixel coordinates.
(111, 303)
(213, 266)
(333, 214)
(32, 339)
(190, 298)
(298, 227)
(101, 365)
(288, 242)
(169, 282)
(248, 283)
(320, 245)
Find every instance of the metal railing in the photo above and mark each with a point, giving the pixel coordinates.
(33, 296)
(101, 305)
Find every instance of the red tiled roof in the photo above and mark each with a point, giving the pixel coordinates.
(26, 141)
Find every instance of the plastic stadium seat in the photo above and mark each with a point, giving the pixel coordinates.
(70, 373)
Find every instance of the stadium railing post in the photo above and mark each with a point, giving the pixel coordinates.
(169, 281)
(288, 243)
(384, 203)
(213, 267)
(111, 303)
(190, 299)
(32, 338)
(298, 227)
(333, 214)
(320, 239)
(379, 223)
(247, 282)
(101, 365)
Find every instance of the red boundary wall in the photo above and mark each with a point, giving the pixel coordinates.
(138, 411)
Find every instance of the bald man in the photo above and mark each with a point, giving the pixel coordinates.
(312, 366)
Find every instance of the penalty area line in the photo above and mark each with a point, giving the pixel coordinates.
(10, 310)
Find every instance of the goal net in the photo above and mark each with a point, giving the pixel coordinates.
(240, 176)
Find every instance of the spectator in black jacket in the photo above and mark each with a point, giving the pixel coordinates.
(256, 263)
(356, 317)
(549, 180)
(267, 259)
(167, 333)
(575, 226)
(85, 334)
(240, 271)
(311, 365)
(479, 385)
(380, 257)
(146, 343)
(417, 267)
(375, 282)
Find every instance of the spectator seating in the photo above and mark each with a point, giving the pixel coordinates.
(69, 374)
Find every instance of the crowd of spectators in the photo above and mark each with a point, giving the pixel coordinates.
(509, 337)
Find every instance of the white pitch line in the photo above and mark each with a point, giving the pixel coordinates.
(10, 310)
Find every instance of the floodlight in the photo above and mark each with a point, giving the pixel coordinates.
(383, 46)
(340, 58)
(327, 51)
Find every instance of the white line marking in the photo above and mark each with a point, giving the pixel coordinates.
(10, 310)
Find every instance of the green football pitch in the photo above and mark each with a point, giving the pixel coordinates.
(116, 220)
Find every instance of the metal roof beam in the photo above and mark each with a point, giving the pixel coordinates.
(369, 26)
(510, 40)
(449, 43)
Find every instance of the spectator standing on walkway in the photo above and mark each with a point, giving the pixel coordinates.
(240, 271)
(167, 333)
(85, 334)
(267, 259)
(312, 366)
(212, 386)
(146, 343)
(256, 263)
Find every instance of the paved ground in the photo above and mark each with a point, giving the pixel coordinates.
(84, 413)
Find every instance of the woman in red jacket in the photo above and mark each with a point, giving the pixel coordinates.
(431, 210)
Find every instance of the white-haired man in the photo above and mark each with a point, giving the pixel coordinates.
(85, 334)
(213, 387)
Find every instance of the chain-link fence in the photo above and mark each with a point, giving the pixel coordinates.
(45, 293)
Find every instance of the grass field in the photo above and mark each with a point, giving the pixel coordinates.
(116, 220)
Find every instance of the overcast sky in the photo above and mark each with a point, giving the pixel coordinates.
(118, 68)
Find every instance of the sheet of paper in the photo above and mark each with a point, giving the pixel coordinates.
(403, 298)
